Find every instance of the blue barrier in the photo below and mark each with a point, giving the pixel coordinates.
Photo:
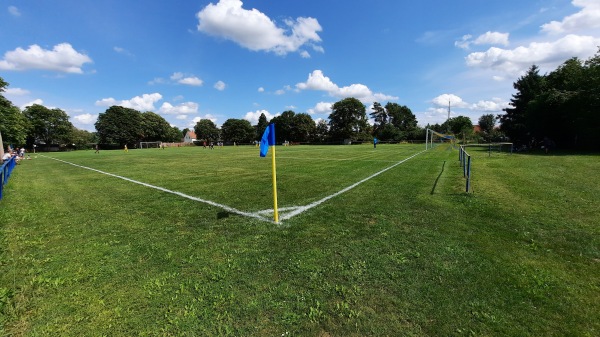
(5, 171)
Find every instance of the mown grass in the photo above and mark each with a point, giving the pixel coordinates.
(405, 253)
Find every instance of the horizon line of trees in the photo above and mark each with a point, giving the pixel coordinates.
(119, 126)
(562, 105)
(348, 121)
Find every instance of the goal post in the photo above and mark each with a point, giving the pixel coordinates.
(432, 138)
(150, 145)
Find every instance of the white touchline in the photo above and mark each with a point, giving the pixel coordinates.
(257, 215)
(212, 203)
(303, 209)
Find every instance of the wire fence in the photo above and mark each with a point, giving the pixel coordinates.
(465, 163)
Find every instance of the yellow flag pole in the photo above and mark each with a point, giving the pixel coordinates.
(275, 213)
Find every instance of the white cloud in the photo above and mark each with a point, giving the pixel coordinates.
(197, 119)
(14, 11)
(188, 80)
(194, 81)
(543, 54)
(35, 101)
(321, 108)
(16, 92)
(182, 108)
(443, 100)
(62, 58)
(122, 51)
(141, 103)
(489, 38)
(489, 106)
(261, 89)
(157, 80)
(304, 54)
(587, 18)
(465, 42)
(86, 119)
(492, 38)
(220, 85)
(182, 117)
(317, 81)
(254, 30)
(252, 117)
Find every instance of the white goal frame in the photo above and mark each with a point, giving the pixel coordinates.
(431, 134)
(150, 145)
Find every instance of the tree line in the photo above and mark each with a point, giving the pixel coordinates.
(348, 122)
(119, 126)
(562, 106)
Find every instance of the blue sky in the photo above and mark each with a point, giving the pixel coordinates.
(192, 60)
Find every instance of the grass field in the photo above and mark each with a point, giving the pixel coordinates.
(404, 253)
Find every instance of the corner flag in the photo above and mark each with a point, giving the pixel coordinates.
(268, 140)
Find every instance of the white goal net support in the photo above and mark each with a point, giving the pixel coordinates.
(432, 138)
(150, 145)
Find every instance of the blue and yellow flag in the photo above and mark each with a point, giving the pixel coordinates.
(268, 139)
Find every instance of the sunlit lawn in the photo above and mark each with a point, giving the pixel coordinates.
(404, 253)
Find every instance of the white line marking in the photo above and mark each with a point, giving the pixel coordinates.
(212, 203)
(301, 209)
(295, 210)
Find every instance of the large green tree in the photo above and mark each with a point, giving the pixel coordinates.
(50, 126)
(555, 112)
(380, 118)
(561, 106)
(120, 126)
(487, 123)
(514, 122)
(284, 125)
(303, 128)
(82, 139)
(155, 128)
(261, 126)
(205, 129)
(237, 130)
(401, 116)
(348, 120)
(321, 131)
(13, 125)
(174, 135)
(460, 126)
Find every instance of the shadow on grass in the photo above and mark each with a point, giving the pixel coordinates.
(223, 215)
(438, 178)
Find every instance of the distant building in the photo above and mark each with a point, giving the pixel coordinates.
(190, 137)
(476, 128)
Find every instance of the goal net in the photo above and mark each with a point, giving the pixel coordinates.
(150, 145)
(433, 138)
